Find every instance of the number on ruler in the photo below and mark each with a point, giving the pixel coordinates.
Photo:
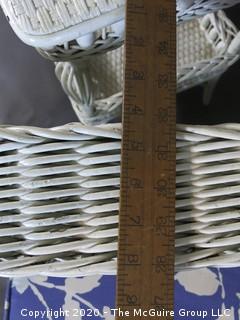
(136, 183)
(162, 152)
(133, 259)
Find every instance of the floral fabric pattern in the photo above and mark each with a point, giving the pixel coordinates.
(204, 293)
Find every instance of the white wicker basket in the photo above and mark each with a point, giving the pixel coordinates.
(59, 191)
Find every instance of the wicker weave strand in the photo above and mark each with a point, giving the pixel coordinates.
(189, 9)
(59, 193)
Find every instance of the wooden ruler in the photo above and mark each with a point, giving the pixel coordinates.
(147, 207)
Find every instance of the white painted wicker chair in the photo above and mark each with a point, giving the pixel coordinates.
(59, 191)
(73, 31)
(206, 47)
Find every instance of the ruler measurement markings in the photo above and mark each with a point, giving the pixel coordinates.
(138, 89)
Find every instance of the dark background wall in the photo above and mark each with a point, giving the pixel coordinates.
(29, 91)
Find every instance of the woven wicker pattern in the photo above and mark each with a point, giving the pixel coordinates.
(59, 191)
(188, 9)
(110, 69)
(206, 55)
(195, 74)
(104, 41)
(192, 44)
(94, 82)
(94, 86)
(45, 17)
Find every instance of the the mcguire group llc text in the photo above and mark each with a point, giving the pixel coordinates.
(186, 314)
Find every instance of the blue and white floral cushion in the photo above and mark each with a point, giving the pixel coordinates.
(211, 294)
